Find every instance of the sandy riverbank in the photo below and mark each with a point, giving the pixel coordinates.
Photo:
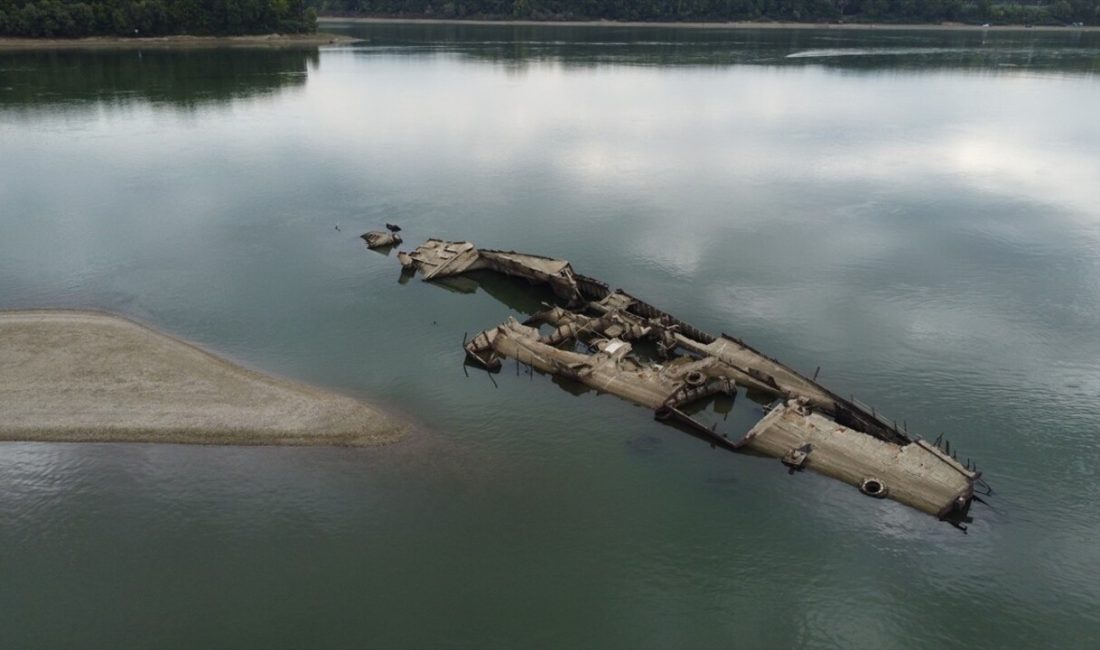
(105, 42)
(93, 377)
(703, 25)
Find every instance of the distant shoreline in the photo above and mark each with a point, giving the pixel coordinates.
(706, 25)
(289, 41)
(304, 41)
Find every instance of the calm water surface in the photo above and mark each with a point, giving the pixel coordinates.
(915, 212)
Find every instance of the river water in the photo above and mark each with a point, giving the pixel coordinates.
(916, 213)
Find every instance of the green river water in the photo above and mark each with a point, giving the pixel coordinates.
(916, 212)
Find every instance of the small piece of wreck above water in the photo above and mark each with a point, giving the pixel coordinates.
(590, 337)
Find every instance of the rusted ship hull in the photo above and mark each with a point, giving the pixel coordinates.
(591, 341)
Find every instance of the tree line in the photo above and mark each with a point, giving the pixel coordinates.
(77, 18)
(1021, 12)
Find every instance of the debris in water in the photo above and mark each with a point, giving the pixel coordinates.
(378, 239)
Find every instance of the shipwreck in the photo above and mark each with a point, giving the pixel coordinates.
(613, 342)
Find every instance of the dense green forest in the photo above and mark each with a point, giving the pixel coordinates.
(75, 18)
(1038, 12)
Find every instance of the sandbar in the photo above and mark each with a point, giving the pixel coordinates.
(77, 376)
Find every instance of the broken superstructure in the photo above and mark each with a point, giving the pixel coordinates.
(590, 337)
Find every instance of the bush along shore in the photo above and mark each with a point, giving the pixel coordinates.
(1018, 12)
(144, 18)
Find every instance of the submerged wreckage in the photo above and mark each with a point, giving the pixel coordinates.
(591, 337)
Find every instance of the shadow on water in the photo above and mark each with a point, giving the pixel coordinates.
(516, 294)
(517, 46)
(181, 79)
